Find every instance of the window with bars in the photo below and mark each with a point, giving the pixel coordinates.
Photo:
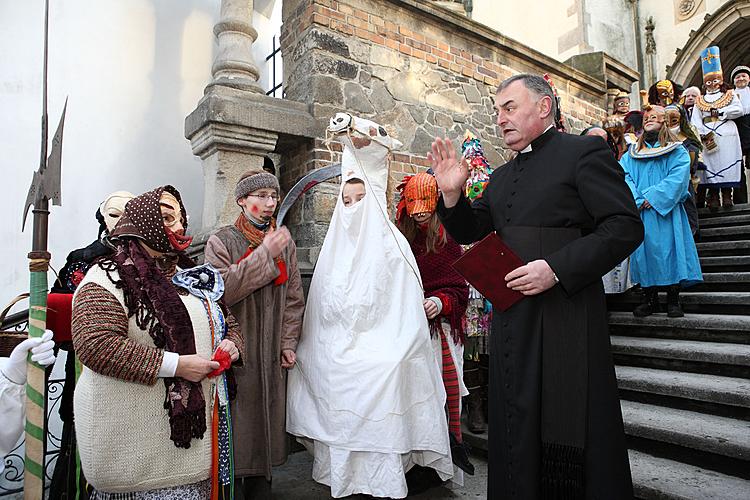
(275, 70)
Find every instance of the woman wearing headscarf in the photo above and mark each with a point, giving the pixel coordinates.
(142, 314)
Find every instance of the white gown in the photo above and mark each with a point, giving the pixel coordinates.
(366, 396)
(723, 164)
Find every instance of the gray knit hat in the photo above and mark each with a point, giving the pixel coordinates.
(252, 180)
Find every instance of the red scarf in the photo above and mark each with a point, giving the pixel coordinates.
(441, 280)
(255, 237)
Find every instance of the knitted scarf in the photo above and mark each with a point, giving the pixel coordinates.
(255, 237)
(441, 280)
(155, 303)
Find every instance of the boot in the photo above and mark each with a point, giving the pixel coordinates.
(674, 310)
(726, 197)
(649, 303)
(460, 455)
(475, 419)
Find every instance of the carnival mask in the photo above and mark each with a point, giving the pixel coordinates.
(713, 83)
(666, 91)
(622, 105)
(741, 80)
(419, 195)
(672, 117)
(113, 206)
(653, 118)
(174, 227)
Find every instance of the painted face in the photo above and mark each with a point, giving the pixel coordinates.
(352, 192)
(260, 205)
(174, 226)
(653, 119)
(713, 83)
(690, 96)
(521, 115)
(741, 80)
(622, 105)
(672, 118)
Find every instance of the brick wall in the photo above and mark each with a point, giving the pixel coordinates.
(417, 70)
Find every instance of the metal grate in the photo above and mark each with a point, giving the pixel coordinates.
(274, 60)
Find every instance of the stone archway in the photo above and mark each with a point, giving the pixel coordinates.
(729, 28)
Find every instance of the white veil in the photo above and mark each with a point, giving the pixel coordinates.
(366, 379)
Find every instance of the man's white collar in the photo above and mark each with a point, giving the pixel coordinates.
(527, 149)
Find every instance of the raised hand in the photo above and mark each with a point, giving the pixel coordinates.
(276, 241)
(450, 171)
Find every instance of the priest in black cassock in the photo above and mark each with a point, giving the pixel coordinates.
(555, 426)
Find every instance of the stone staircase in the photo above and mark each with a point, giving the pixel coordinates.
(685, 382)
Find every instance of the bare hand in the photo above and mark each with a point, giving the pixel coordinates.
(531, 279)
(276, 241)
(451, 172)
(288, 358)
(194, 368)
(228, 346)
(430, 308)
(645, 205)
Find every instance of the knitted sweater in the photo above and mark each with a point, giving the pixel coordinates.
(121, 424)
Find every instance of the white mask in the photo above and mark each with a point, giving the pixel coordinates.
(675, 130)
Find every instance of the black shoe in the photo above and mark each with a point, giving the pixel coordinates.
(649, 303)
(420, 479)
(674, 309)
(460, 455)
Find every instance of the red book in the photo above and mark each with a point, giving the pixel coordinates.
(485, 266)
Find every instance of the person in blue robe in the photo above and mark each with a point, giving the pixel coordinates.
(657, 169)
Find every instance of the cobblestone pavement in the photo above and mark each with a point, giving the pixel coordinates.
(293, 481)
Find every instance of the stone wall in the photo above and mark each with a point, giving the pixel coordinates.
(419, 70)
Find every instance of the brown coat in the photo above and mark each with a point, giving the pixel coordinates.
(271, 320)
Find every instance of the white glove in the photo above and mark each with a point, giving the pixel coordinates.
(41, 352)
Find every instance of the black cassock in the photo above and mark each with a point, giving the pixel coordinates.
(555, 426)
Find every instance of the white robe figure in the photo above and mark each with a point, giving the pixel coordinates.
(366, 396)
(723, 164)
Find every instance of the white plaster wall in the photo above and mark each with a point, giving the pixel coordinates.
(537, 23)
(668, 34)
(132, 71)
(611, 29)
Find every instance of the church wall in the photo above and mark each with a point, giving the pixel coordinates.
(671, 32)
(419, 71)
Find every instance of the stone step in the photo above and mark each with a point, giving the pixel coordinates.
(664, 479)
(726, 220)
(708, 327)
(704, 213)
(688, 350)
(731, 391)
(728, 437)
(733, 233)
(692, 302)
(715, 248)
(726, 263)
(732, 281)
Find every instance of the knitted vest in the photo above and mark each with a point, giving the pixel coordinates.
(122, 427)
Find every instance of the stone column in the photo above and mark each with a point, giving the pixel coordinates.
(234, 65)
(228, 144)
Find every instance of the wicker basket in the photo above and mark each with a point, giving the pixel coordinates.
(9, 339)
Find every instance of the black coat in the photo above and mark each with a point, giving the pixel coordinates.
(555, 423)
